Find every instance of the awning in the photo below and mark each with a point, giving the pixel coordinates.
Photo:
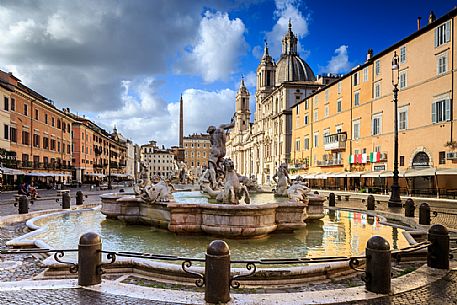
(386, 174)
(414, 172)
(446, 171)
(371, 174)
(354, 174)
(95, 175)
(11, 171)
(336, 175)
(47, 174)
(120, 175)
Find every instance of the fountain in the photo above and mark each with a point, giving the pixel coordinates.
(232, 215)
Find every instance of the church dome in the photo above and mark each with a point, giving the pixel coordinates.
(293, 68)
(290, 66)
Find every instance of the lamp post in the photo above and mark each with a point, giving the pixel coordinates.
(109, 167)
(394, 200)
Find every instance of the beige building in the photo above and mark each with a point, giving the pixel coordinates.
(5, 96)
(157, 161)
(197, 148)
(346, 129)
(259, 148)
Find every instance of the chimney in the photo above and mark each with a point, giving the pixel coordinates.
(369, 54)
(431, 17)
(418, 23)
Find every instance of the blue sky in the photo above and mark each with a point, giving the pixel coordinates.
(126, 63)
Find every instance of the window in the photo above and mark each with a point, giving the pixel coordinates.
(441, 110)
(52, 121)
(26, 111)
(6, 132)
(13, 104)
(306, 105)
(53, 144)
(46, 118)
(356, 130)
(365, 74)
(297, 144)
(316, 100)
(316, 139)
(356, 98)
(442, 157)
(441, 63)
(403, 54)
(306, 119)
(13, 136)
(316, 112)
(6, 102)
(58, 125)
(326, 95)
(25, 137)
(306, 143)
(377, 67)
(326, 111)
(339, 105)
(403, 79)
(376, 124)
(45, 142)
(402, 160)
(339, 87)
(355, 79)
(36, 140)
(377, 148)
(36, 114)
(377, 90)
(298, 109)
(403, 118)
(442, 33)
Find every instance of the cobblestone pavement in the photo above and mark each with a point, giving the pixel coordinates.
(441, 292)
(70, 296)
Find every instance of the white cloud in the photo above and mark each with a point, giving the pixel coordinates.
(250, 79)
(339, 63)
(286, 10)
(220, 44)
(145, 116)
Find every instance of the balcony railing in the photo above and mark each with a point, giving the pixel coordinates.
(331, 162)
(336, 141)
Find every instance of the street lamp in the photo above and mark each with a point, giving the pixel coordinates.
(110, 187)
(394, 200)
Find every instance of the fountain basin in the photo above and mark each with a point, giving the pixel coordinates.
(232, 221)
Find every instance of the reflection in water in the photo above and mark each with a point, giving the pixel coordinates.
(340, 233)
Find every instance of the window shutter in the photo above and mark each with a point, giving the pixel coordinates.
(433, 112)
(436, 36)
(448, 31)
(447, 105)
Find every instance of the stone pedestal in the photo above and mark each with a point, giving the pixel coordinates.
(185, 218)
(291, 216)
(315, 209)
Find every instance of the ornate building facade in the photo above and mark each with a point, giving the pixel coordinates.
(258, 148)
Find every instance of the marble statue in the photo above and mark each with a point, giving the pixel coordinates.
(217, 154)
(282, 180)
(158, 192)
(298, 191)
(233, 189)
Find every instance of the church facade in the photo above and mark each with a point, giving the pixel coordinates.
(258, 148)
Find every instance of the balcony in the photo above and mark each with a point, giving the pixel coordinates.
(330, 160)
(336, 141)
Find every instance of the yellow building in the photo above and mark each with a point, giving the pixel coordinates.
(348, 125)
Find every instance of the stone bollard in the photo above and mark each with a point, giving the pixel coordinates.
(23, 205)
(409, 208)
(217, 272)
(79, 198)
(65, 201)
(438, 251)
(377, 273)
(424, 214)
(89, 259)
(370, 203)
(331, 199)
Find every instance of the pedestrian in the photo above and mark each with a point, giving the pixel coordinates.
(22, 189)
